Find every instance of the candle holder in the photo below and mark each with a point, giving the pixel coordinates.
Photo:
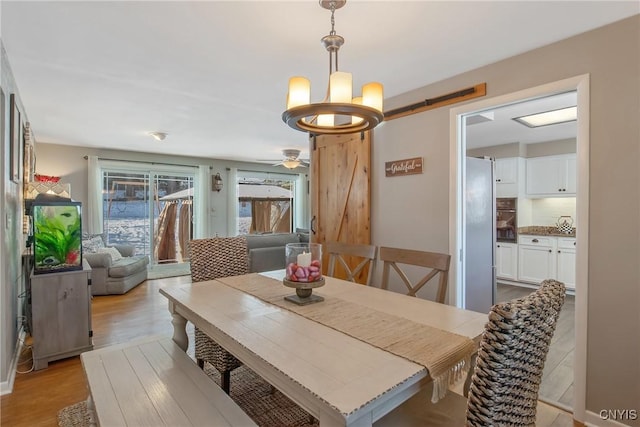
(303, 272)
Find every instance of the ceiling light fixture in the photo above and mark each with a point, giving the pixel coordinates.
(158, 136)
(547, 118)
(338, 113)
(291, 163)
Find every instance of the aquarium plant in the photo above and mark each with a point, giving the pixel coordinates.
(57, 237)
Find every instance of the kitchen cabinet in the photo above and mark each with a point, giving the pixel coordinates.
(566, 262)
(547, 257)
(536, 258)
(507, 261)
(506, 177)
(61, 315)
(551, 176)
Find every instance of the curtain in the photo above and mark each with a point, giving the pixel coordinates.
(301, 203)
(282, 223)
(185, 228)
(165, 239)
(93, 217)
(201, 203)
(260, 216)
(270, 216)
(232, 202)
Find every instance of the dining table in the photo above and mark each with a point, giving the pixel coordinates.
(347, 360)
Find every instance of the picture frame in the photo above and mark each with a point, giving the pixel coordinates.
(29, 156)
(15, 149)
(2, 119)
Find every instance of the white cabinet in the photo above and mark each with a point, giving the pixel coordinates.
(536, 258)
(566, 254)
(551, 176)
(547, 257)
(507, 261)
(506, 177)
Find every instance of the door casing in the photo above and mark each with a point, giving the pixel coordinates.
(456, 214)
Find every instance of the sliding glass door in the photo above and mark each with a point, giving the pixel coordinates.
(151, 210)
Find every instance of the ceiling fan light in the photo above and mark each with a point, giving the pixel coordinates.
(291, 164)
(340, 87)
(373, 95)
(299, 92)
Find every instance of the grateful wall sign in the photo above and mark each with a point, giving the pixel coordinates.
(403, 167)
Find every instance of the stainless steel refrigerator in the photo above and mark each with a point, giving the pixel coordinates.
(480, 235)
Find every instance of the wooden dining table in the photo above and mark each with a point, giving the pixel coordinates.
(340, 377)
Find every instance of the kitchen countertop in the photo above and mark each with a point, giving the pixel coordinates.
(537, 230)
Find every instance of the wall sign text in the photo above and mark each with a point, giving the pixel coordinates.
(403, 167)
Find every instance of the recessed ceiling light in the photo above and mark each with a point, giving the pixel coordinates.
(158, 136)
(547, 118)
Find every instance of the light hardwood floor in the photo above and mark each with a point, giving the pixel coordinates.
(38, 396)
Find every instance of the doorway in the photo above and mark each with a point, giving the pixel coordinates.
(457, 190)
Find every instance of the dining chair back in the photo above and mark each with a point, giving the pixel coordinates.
(346, 253)
(437, 263)
(214, 258)
(506, 380)
(509, 366)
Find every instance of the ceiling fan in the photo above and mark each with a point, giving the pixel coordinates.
(292, 159)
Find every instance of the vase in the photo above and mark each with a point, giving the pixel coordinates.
(303, 271)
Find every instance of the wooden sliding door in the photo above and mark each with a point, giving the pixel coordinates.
(340, 190)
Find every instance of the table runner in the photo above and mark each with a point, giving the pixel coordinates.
(445, 355)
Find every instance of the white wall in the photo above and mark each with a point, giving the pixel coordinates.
(12, 239)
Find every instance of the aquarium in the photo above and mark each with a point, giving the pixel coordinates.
(57, 236)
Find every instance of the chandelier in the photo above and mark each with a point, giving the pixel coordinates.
(339, 112)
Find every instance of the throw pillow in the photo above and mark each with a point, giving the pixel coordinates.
(115, 254)
(92, 244)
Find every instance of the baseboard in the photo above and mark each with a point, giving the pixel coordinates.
(6, 387)
(593, 419)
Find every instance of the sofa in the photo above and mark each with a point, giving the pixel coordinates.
(115, 269)
(266, 251)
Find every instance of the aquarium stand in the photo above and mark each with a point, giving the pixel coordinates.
(61, 315)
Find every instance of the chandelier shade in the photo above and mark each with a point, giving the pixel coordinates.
(339, 112)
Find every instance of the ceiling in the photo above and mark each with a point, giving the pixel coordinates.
(496, 126)
(213, 74)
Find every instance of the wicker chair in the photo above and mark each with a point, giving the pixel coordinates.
(506, 379)
(211, 259)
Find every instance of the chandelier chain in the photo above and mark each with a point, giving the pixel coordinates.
(333, 20)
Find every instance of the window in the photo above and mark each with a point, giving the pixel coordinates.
(268, 203)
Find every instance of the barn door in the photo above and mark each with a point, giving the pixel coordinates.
(340, 192)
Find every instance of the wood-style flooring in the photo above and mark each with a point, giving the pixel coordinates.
(38, 396)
